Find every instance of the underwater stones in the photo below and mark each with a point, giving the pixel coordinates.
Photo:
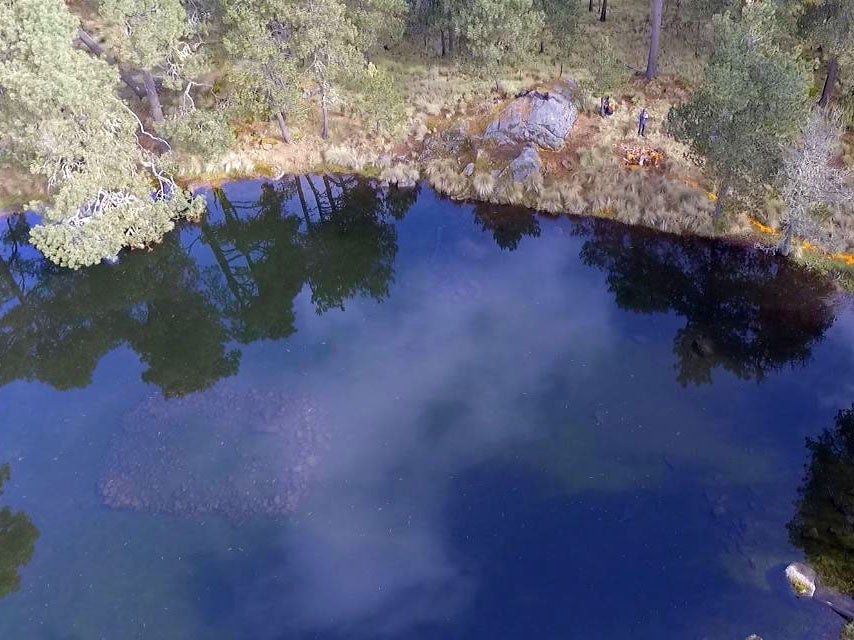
(231, 452)
(802, 579)
(544, 118)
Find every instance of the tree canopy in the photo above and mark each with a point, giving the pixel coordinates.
(750, 104)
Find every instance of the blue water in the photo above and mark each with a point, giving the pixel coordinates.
(382, 415)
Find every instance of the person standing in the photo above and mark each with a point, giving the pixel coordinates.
(642, 120)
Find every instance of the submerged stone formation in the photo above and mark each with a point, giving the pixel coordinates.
(236, 453)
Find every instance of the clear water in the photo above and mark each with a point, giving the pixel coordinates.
(336, 412)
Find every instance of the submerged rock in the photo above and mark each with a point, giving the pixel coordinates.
(231, 452)
(542, 117)
(802, 579)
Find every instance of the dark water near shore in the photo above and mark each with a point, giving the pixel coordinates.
(332, 411)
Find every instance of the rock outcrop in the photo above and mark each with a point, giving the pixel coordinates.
(542, 117)
(526, 166)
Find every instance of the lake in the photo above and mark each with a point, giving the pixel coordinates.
(337, 411)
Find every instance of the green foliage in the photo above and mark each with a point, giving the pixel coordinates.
(265, 79)
(382, 103)
(829, 24)
(59, 114)
(18, 537)
(751, 102)
(327, 41)
(607, 71)
(205, 132)
(377, 21)
(496, 32)
(824, 523)
(561, 23)
(147, 33)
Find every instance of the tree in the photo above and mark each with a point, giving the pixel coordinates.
(494, 32)
(750, 104)
(607, 71)
(823, 525)
(655, 13)
(829, 24)
(382, 103)
(18, 536)
(60, 117)
(603, 14)
(560, 24)
(149, 35)
(325, 38)
(810, 181)
(266, 80)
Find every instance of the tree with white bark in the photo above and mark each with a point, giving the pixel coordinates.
(60, 117)
(812, 184)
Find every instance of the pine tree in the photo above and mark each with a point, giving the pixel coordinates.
(149, 35)
(60, 117)
(265, 78)
(751, 102)
(326, 40)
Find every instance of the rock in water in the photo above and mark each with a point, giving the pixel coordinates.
(802, 579)
(526, 166)
(542, 117)
(227, 451)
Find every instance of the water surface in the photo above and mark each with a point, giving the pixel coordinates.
(337, 411)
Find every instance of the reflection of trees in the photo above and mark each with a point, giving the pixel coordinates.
(508, 225)
(332, 233)
(68, 321)
(824, 523)
(745, 311)
(18, 537)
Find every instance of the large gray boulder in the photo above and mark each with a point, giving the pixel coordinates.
(542, 117)
(526, 165)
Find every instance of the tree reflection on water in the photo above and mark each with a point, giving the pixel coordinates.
(745, 311)
(18, 537)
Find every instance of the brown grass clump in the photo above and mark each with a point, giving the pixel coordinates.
(484, 185)
(400, 174)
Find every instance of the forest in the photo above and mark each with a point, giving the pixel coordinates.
(112, 111)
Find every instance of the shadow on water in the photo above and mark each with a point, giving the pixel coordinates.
(331, 233)
(823, 525)
(18, 537)
(745, 311)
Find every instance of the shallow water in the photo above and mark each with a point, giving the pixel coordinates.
(335, 412)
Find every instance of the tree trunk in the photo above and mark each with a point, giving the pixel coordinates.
(442, 37)
(656, 9)
(90, 43)
(785, 247)
(450, 42)
(283, 127)
(830, 81)
(604, 15)
(303, 204)
(723, 191)
(590, 6)
(324, 108)
(153, 98)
